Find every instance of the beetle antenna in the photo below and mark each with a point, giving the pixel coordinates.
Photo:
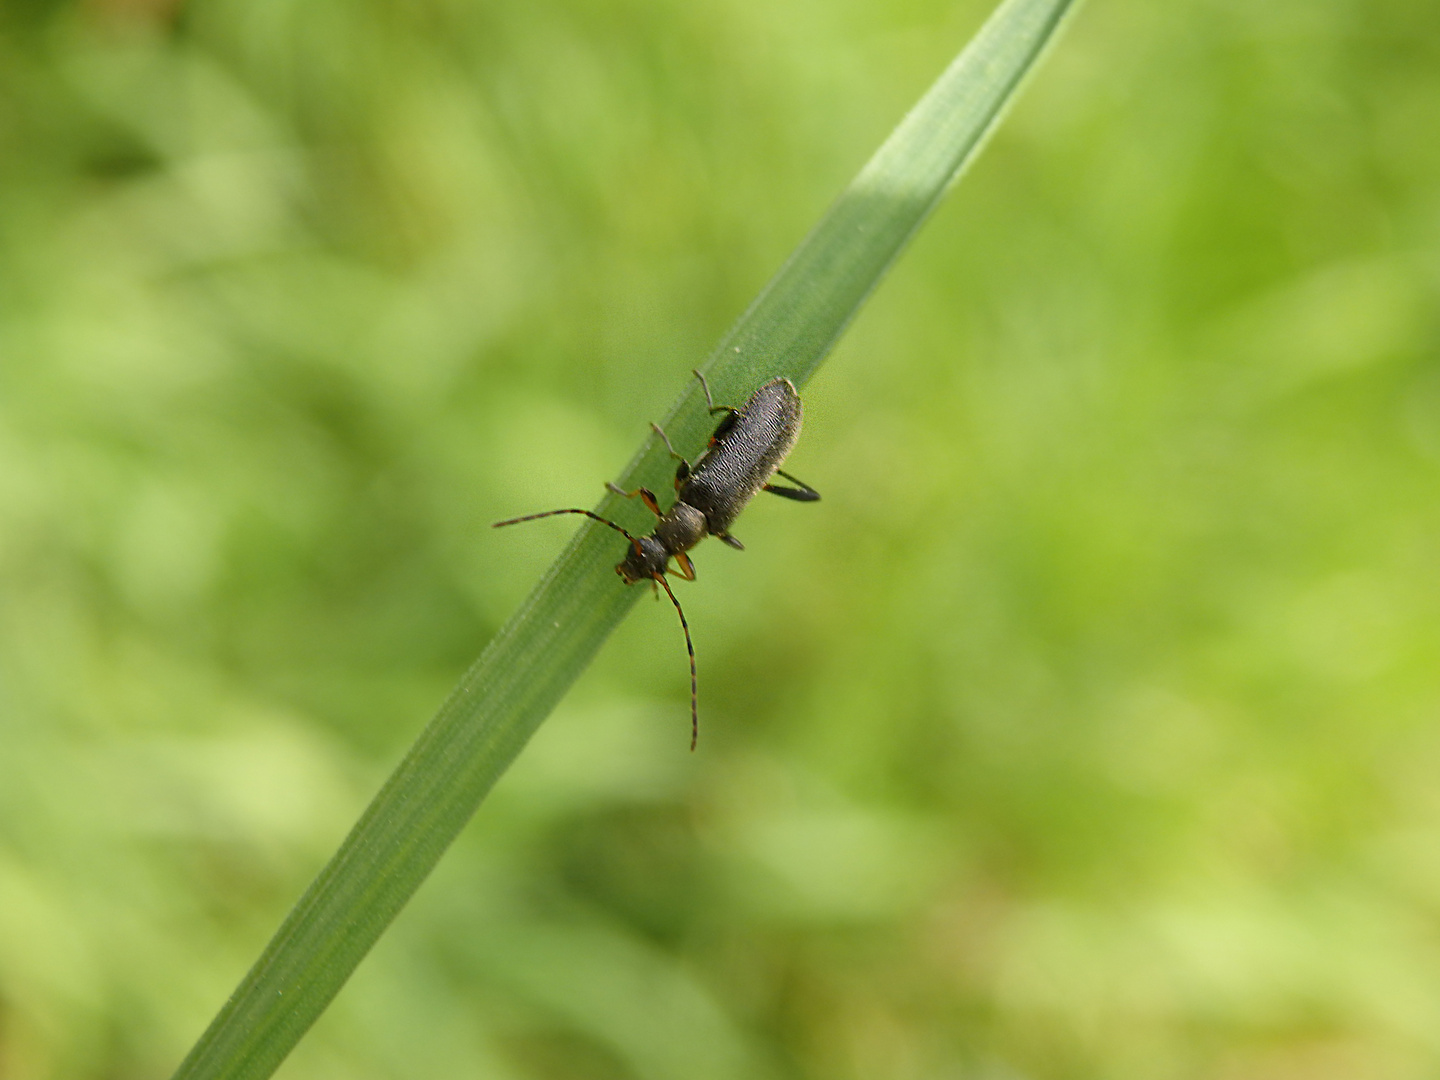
(552, 513)
(690, 648)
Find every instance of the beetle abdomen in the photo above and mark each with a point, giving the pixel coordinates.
(745, 457)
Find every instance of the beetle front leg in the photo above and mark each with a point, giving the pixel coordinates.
(646, 496)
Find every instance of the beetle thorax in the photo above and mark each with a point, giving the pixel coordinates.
(681, 528)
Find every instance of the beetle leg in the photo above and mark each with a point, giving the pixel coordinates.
(723, 428)
(709, 401)
(682, 471)
(803, 493)
(726, 538)
(646, 496)
(666, 440)
(684, 567)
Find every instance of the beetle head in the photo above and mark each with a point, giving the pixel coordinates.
(644, 561)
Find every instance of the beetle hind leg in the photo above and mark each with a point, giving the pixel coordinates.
(803, 492)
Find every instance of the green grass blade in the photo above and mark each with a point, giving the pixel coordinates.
(537, 655)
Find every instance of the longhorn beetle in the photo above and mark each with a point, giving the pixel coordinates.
(743, 454)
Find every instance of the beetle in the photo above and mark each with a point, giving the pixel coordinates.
(740, 459)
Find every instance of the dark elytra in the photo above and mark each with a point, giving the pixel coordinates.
(745, 451)
(743, 454)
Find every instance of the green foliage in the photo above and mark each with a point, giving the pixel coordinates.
(1086, 729)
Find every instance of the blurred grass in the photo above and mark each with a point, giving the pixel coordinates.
(535, 657)
(1090, 733)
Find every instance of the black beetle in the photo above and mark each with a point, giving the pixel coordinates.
(743, 454)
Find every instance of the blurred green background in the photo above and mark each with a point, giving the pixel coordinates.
(1090, 727)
